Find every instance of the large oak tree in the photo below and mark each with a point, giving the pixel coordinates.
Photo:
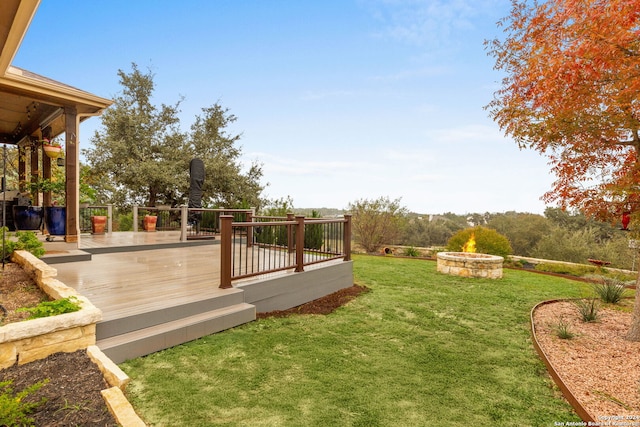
(570, 92)
(141, 156)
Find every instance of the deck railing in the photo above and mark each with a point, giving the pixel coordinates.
(268, 244)
(87, 212)
(194, 223)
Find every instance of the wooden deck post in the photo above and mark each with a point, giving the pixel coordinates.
(22, 168)
(347, 238)
(300, 243)
(135, 218)
(35, 175)
(184, 219)
(46, 167)
(248, 217)
(290, 241)
(226, 231)
(110, 218)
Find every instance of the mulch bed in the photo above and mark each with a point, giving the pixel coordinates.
(72, 392)
(324, 305)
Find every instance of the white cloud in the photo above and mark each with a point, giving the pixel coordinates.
(424, 22)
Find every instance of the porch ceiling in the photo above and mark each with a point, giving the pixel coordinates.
(28, 101)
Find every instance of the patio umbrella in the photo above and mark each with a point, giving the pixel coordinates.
(196, 172)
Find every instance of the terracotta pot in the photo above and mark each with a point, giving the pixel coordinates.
(149, 222)
(98, 224)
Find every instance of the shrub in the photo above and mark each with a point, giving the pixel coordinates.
(124, 222)
(610, 290)
(488, 241)
(377, 222)
(22, 240)
(588, 309)
(412, 252)
(562, 330)
(313, 233)
(13, 408)
(53, 308)
(577, 270)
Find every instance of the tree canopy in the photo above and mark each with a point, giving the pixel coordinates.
(141, 155)
(570, 92)
(377, 222)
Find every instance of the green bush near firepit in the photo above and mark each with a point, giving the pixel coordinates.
(488, 241)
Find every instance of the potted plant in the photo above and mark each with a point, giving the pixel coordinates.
(98, 224)
(52, 148)
(149, 222)
(55, 216)
(27, 217)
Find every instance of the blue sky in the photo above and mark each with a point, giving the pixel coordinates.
(338, 99)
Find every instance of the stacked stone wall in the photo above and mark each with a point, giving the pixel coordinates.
(35, 339)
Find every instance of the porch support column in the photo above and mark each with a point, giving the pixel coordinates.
(72, 176)
(35, 175)
(46, 168)
(22, 169)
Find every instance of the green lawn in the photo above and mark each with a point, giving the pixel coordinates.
(419, 349)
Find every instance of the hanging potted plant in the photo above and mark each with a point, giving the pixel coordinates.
(52, 148)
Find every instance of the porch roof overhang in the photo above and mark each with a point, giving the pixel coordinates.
(28, 101)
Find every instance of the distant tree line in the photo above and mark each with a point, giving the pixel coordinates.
(558, 234)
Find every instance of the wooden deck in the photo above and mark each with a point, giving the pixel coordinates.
(153, 290)
(156, 292)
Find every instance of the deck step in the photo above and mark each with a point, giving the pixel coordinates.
(61, 256)
(162, 336)
(145, 316)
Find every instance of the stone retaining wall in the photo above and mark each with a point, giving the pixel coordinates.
(36, 339)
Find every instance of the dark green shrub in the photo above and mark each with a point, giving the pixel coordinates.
(14, 410)
(488, 241)
(22, 241)
(124, 222)
(412, 252)
(271, 235)
(313, 233)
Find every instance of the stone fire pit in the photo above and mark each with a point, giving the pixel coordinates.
(467, 264)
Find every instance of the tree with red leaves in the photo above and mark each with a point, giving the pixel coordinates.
(571, 92)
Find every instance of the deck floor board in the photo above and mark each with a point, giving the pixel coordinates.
(122, 283)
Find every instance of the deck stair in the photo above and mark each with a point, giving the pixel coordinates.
(128, 336)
